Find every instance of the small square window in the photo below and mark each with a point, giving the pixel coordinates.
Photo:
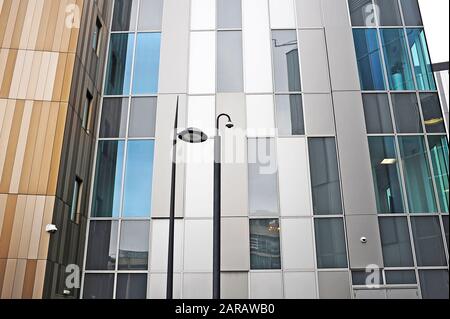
(265, 244)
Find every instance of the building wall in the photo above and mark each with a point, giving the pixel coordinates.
(40, 61)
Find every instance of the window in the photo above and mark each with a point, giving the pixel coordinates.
(229, 62)
(385, 172)
(401, 277)
(290, 118)
(397, 60)
(265, 244)
(286, 61)
(87, 111)
(98, 286)
(362, 13)
(76, 200)
(143, 117)
(369, 59)
(434, 284)
(108, 179)
(134, 245)
(97, 37)
(407, 115)
(421, 59)
(263, 176)
(229, 14)
(432, 113)
(330, 243)
(411, 12)
(150, 15)
(131, 286)
(428, 241)
(118, 75)
(114, 118)
(138, 179)
(146, 68)
(388, 12)
(439, 158)
(396, 242)
(445, 222)
(378, 114)
(102, 245)
(325, 176)
(125, 13)
(419, 188)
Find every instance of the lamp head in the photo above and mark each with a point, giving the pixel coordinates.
(193, 136)
(229, 124)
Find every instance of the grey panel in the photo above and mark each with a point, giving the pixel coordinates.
(174, 47)
(319, 115)
(341, 50)
(313, 61)
(162, 171)
(370, 294)
(334, 285)
(157, 285)
(362, 255)
(234, 285)
(402, 293)
(235, 244)
(234, 151)
(309, 14)
(197, 286)
(300, 285)
(357, 181)
(266, 285)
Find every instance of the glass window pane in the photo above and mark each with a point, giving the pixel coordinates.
(114, 118)
(385, 172)
(388, 12)
(432, 113)
(406, 112)
(286, 61)
(411, 12)
(290, 118)
(263, 177)
(143, 117)
(138, 179)
(102, 247)
(131, 286)
(419, 188)
(146, 67)
(229, 62)
(445, 222)
(377, 113)
(125, 12)
(369, 59)
(265, 244)
(362, 278)
(150, 15)
(396, 242)
(428, 241)
(108, 179)
(229, 14)
(98, 286)
(118, 75)
(325, 176)
(439, 158)
(421, 59)
(330, 243)
(134, 244)
(362, 13)
(401, 277)
(434, 284)
(397, 60)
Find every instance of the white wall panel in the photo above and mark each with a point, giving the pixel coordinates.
(297, 244)
(202, 63)
(319, 116)
(282, 14)
(160, 243)
(260, 115)
(203, 14)
(266, 285)
(309, 14)
(197, 286)
(201, 113)
(300, 285)
(198, 246)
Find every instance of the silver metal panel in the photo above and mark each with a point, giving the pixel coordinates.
(370, 294)
(300, 285)
(198, 246)
(319, 117)
(309, 14)
(174, 47)
(334, 285)
(357, 181)
(197, 286)
(298, 244)
(235, 244)
(234, 285)
(158, 286)
(410, 293)
(266, 285)
(159, 244)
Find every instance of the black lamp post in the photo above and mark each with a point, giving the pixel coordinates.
(217, 205)
(192, 136)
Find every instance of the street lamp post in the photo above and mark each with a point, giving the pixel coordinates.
(217, 205)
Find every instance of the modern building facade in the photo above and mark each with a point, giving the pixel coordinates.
(335, 176)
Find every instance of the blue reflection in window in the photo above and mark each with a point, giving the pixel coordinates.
(138, 179)
(369, 60)
(146, 68)
(397, 59)
(120, 59)
(421, 59)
